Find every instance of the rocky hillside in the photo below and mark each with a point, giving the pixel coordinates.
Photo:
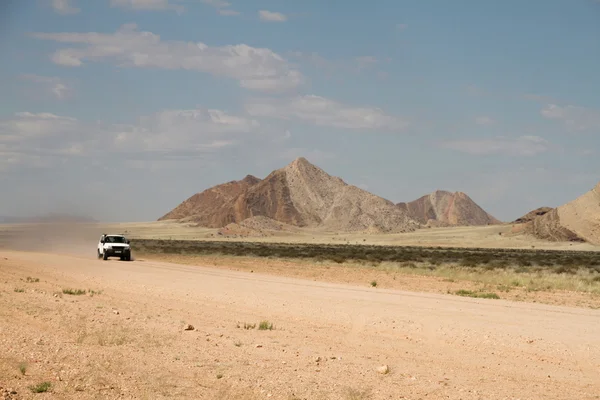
(576, 221)
(299, 194)
(530, 216)
(442, 208)
(202, 206)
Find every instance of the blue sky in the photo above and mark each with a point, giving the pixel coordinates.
(120, 109)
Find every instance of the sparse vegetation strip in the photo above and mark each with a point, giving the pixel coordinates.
(568, 262)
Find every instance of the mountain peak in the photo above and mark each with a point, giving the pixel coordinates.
(302, 166)
(301, 161)
(251, 179)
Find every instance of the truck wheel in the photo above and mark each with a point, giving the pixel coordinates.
(99, 255)
(105, 256)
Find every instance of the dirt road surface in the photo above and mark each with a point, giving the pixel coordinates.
(126, 339)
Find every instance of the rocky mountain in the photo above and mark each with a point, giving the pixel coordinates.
(578, 220)
(443, 208)
(300, 194)
(530, 216)
(201, 206)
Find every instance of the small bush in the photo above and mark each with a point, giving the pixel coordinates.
(470, 293)
(249, 326)
(374, 283)
(23, 368)
(41, 388)
(265, 325)
(74, 292)
(488, 296)
(19, 290)
(32, 280)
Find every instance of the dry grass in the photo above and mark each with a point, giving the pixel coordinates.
(531, 270)
(582, 280)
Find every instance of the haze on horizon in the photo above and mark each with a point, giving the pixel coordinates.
(119, 109)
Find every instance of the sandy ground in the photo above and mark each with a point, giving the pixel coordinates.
(532, 288)
(328, 339)
(493, 236)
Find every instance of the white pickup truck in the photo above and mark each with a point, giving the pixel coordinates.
(114, 246)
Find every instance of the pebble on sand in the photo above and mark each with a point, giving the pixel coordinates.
(384, 369)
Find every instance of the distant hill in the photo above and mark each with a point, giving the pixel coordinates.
(443, 208)
(578, 220)
(530, 216)
(300, 194)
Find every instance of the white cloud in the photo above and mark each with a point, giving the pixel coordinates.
(189, 130)
(148, 5)
(65, 7)
(222, 7)
(271, 16)
(483, 120)
(521, 146)
(575, 118)
(324, 112)
(33, 139)
(217, 3)
(166, 133)
(258, 69)
(28, 125)
(56, 87)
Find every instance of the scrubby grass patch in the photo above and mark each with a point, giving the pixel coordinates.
(342, 253)
(41, 387)
(74, 292)
(265, 325)
(477, 295)
(80, 292)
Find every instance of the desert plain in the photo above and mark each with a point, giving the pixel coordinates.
(196, 324)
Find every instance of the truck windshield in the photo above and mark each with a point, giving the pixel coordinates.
(115, 239)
